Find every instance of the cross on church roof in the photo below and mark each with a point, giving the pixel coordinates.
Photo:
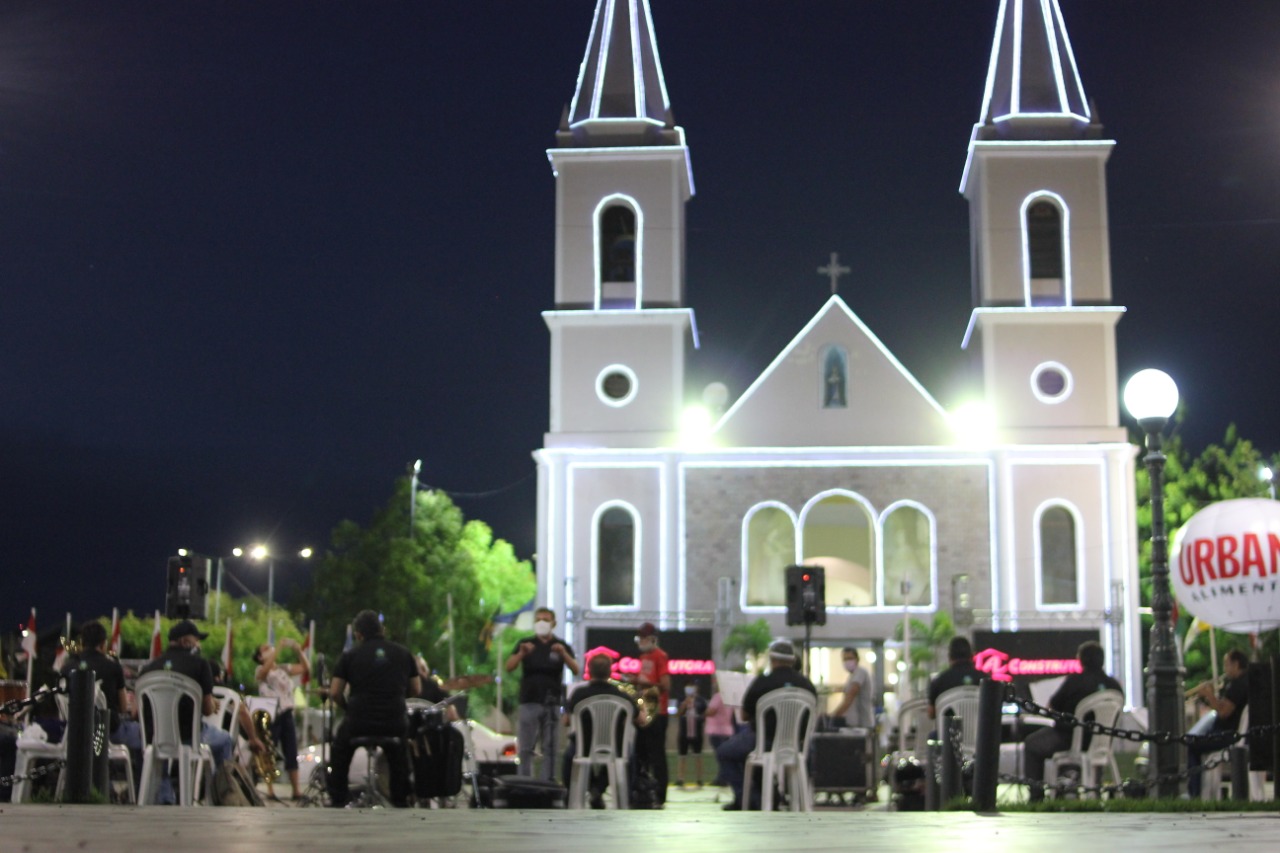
(834, 270)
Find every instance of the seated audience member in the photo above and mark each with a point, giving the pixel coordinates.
(961, 672)
(599, 667)
(1042, 744)
(732, 754)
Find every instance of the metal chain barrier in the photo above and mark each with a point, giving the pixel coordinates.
(13, 706)
(1224, 739)
(52, 767)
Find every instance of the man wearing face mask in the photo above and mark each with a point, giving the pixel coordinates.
(543, 659)
(651, 741)
(855, 704)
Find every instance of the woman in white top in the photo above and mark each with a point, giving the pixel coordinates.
(275, 681)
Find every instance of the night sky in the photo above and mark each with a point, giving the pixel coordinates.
(257, 257)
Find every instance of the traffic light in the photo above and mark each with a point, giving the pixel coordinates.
(187, 588)
(806, 595)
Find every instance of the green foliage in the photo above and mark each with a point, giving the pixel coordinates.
(927, 644)
(248, 627)
(750, 639)
(410, 577)
(1219, 473)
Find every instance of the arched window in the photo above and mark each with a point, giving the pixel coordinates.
(907, 541)
(770, 548)
(835, 378)
(839, 534)
(616, 548)
(1058, 561)
(618, 247)
(1045, 245)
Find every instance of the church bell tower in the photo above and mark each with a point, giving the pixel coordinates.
(620, 328)
(1043, 324)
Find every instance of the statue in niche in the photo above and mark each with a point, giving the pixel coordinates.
(834, 379)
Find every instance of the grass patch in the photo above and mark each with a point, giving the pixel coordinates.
(1066, 806)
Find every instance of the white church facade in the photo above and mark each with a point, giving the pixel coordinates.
(1030, 531)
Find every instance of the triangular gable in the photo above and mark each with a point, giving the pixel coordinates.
(785, 407)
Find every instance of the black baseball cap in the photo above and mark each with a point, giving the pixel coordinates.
(185, 628)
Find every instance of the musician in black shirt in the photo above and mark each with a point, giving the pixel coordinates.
(380, 674)
(543, 659)
(1227, 706)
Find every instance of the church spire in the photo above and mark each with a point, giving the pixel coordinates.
(621, 98)
(1034, 90)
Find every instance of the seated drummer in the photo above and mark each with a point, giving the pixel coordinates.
(381, 675)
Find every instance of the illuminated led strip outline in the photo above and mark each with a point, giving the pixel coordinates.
(1026, 244)
(1066, 375)
(601, 48)
(631, 392)
(832, 303)
(572, 469)
(925, 461)
(636, 544)
(1051, 14)
(623, 200)
(1081, 563)
(1074, 313)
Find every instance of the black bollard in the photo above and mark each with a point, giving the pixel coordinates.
(952, 783)
(986, 758)
(1275, 714)
(79, 735)
(1239, 773)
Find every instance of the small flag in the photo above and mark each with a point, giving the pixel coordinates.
(227, 657)
(115, 632)
(156, 648)
(29, 636)
(351, 641)
(60, 656)
(510, 618)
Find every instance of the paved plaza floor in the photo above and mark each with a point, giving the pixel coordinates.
(692, 821)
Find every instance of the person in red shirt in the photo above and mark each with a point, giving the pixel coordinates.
(651, 741)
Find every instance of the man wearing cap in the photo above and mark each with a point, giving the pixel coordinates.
(732, 754)
(183, 657)
(651, 741)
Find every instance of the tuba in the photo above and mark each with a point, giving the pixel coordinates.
(265, 762)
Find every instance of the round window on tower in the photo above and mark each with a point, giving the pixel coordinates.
(616, 385)
(1051, 382)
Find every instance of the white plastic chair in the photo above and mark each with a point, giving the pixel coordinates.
(227, 715)
(785, 762)
(161, 694)
(607, 748)
(911, 715)
(1105, 707)
(31, 750)
(961, 702)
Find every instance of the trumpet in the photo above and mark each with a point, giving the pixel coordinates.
(1217, 685)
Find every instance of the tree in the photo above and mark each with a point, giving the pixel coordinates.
(927, 641)
(444, 570)
(1219, 473)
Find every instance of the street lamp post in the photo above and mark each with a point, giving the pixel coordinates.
(1269, 477)
(1151, 397)
(260, 553)
(413, 494)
